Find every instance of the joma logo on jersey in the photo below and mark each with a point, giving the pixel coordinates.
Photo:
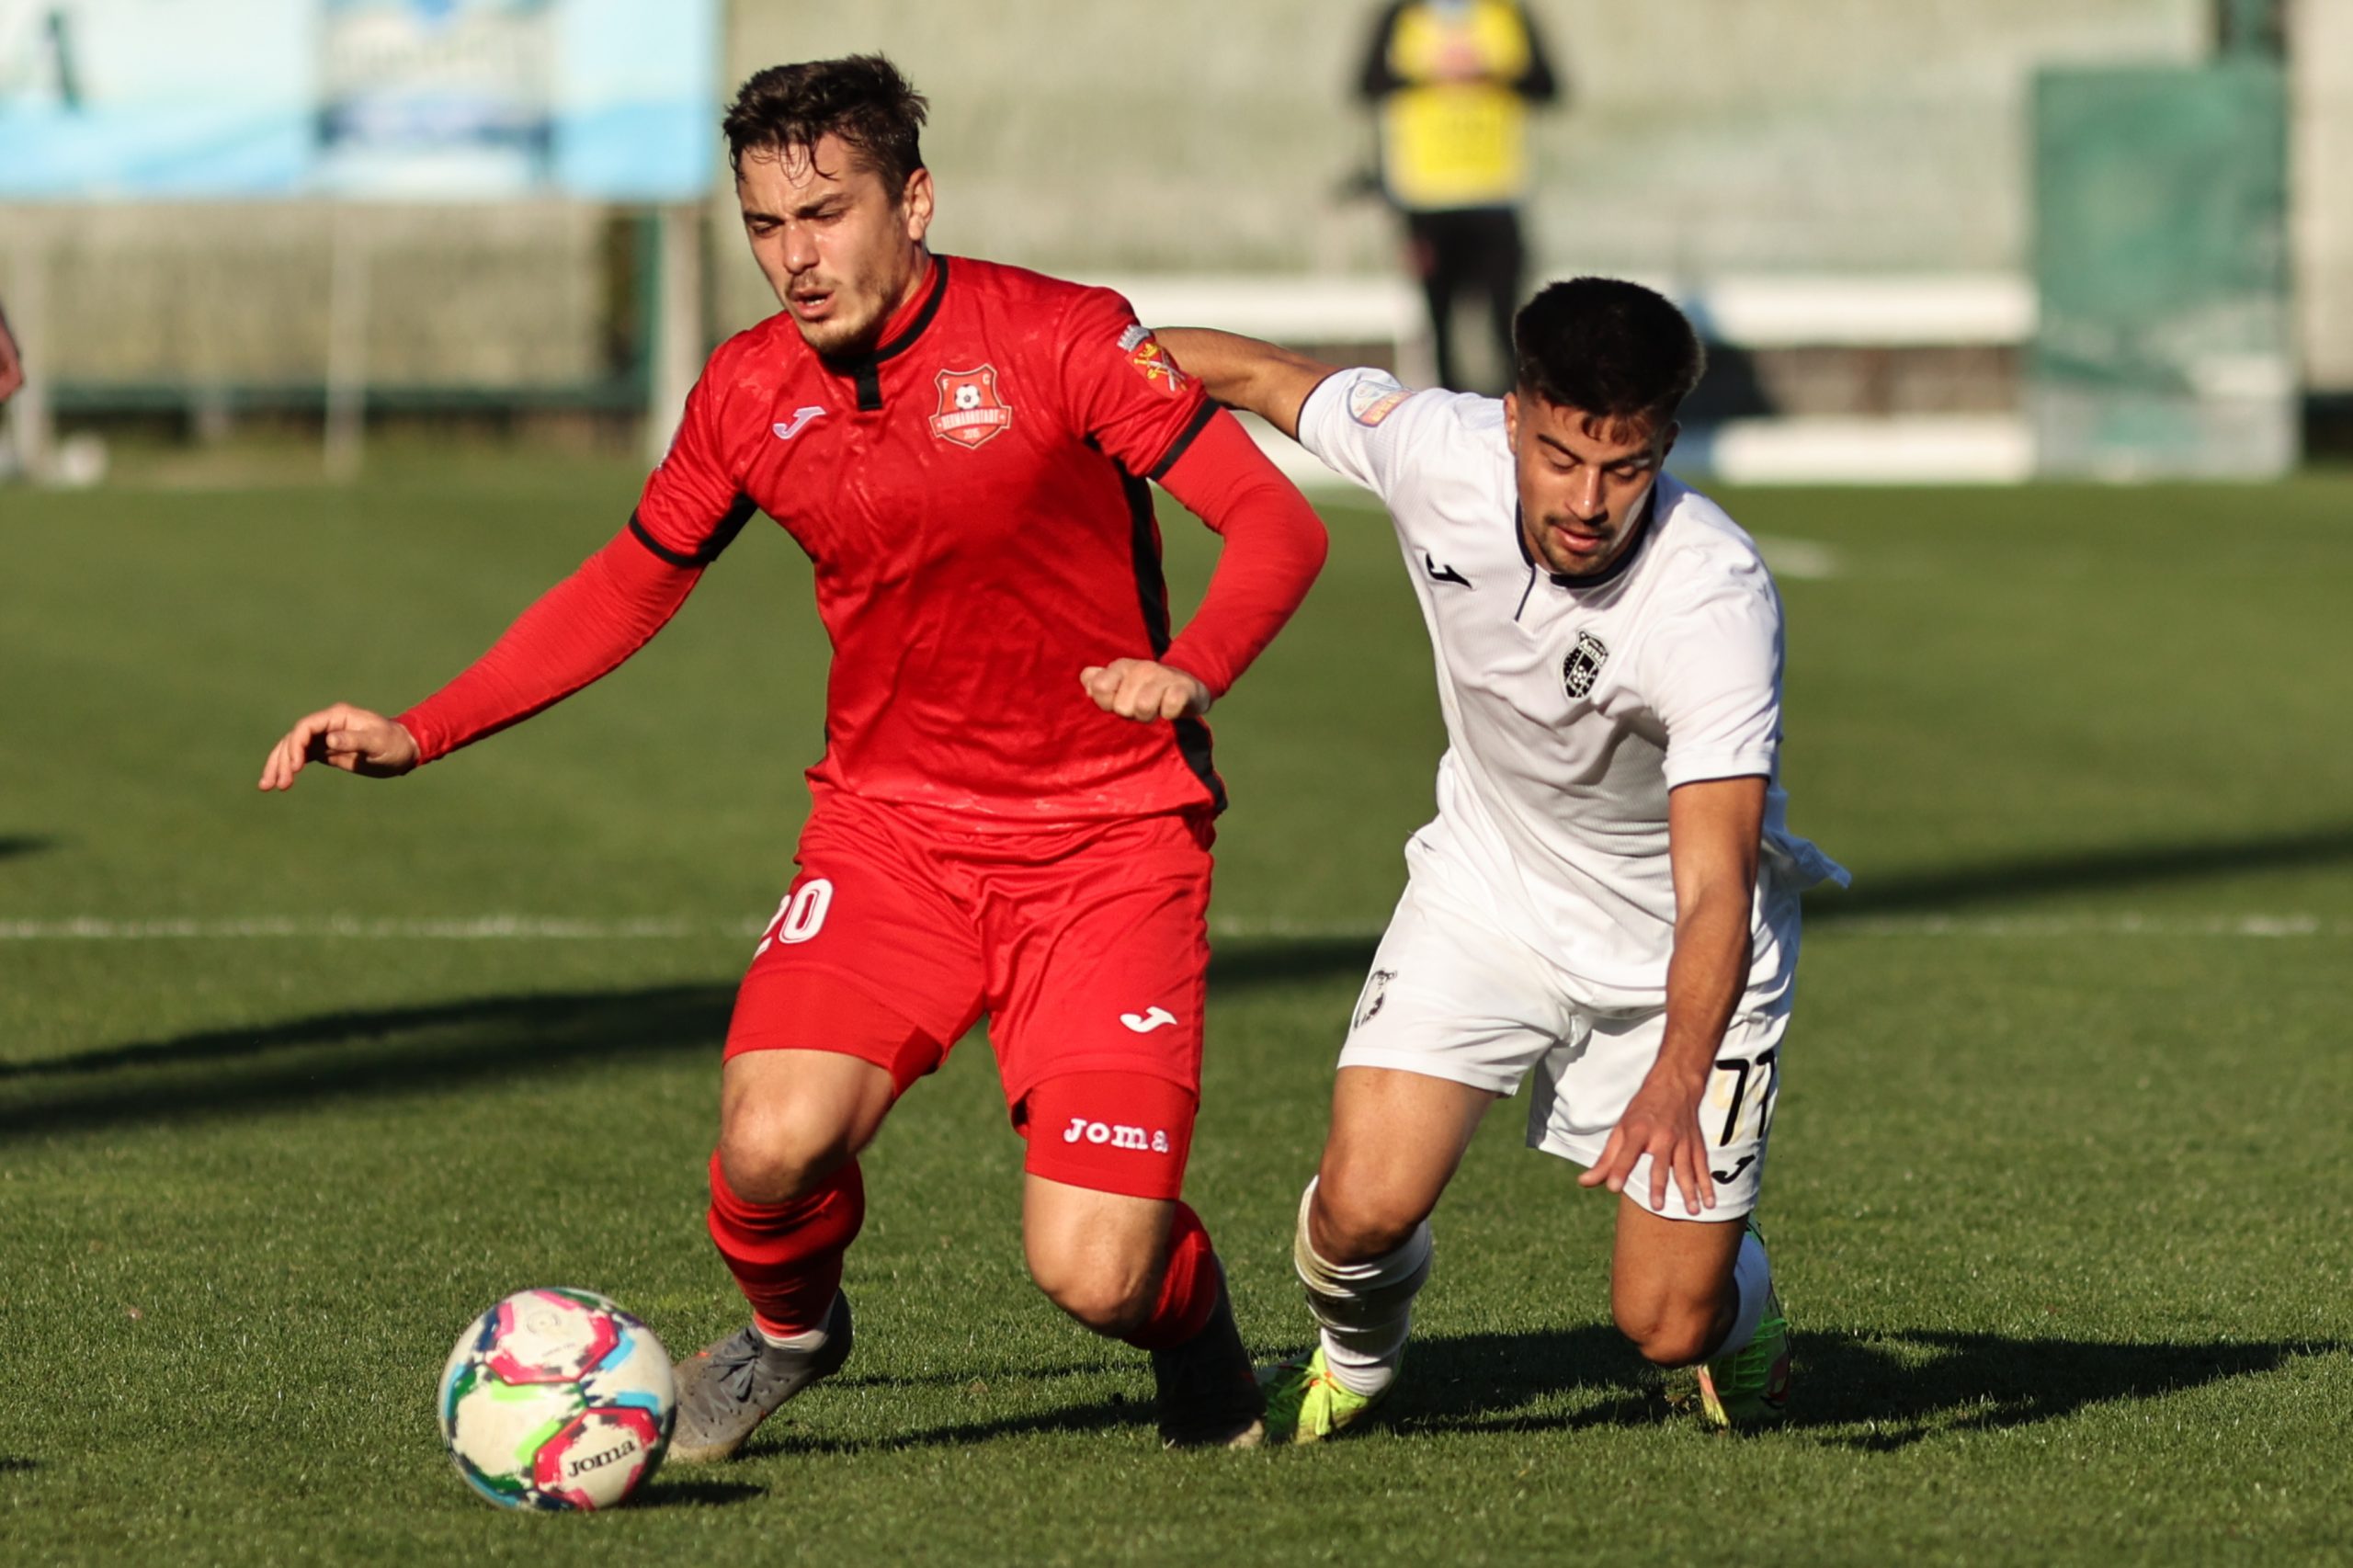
(1118, 1137)
(971, 411)
(1583, 666)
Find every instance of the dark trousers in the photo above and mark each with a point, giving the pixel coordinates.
(1475, 251)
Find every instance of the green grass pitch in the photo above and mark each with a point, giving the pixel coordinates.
(2058, 1197)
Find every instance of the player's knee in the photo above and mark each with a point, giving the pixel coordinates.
(1348, 1226)
(775, 1153)
(1110, 1295)
(1668, 1333)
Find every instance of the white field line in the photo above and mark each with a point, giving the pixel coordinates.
(542, 929)
(2043, 927)
(1801, 559)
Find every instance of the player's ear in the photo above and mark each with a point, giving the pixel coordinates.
(1667, 444)
(1511, 419)
(914, 204)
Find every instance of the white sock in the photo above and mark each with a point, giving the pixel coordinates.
(806, 1340)
(1751, 1276)
(1364, 1310)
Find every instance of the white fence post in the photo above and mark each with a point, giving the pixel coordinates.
(31, 431)
(677, 353)
(347, 374)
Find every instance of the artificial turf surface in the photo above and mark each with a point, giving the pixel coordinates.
(2058, 1194)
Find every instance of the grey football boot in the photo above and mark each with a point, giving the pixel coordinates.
(1208, 1394)
(726, 1389)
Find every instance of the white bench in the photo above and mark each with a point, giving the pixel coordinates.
(1757, 312)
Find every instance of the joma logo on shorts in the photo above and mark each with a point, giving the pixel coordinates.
(1134, 1138)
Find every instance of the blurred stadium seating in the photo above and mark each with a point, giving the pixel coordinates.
(1842, 192)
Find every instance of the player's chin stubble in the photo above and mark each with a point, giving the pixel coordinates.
(838, 338)
(1560, 561)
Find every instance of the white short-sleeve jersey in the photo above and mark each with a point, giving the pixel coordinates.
(1573, 707)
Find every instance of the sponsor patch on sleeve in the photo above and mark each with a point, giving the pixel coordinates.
(1374, 398)
(1151, 361)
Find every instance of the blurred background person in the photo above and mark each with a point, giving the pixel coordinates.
(12, 364)
(1451, 81)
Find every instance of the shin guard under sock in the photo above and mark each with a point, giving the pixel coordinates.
(1752, 1276)
(1188, 1286)
(787, 1257)
(1365, 1309)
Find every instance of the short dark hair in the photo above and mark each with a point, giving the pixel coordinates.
(1608, 347)
(861, 98)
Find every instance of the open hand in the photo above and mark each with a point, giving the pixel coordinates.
(352, 739)
(1142, 690)
(1662, 1122)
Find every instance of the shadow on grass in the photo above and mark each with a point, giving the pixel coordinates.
(1875, 1392)
(15, 844)
(334, 1055)
(438, 1046)
(1870, 1393)
(2089, 871)
(9, 1465)
(1098, 1416)
(667, 1491)
(655, 1017)
(1240, 965)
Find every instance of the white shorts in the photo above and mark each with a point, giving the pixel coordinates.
(1450, 996)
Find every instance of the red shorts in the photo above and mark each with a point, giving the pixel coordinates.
(1085, 944)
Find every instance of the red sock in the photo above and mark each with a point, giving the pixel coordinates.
(1187, 1289)
(787, 1257)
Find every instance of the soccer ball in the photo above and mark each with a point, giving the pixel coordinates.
(556, 1399)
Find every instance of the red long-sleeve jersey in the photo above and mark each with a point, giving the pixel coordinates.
(973, 495)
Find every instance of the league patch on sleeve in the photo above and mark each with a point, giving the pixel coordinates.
(1151, 361)
(1375, 398)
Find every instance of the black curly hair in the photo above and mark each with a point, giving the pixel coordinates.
(861, 98)
(1606, 347)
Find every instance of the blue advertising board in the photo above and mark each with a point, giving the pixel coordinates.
(608, 100)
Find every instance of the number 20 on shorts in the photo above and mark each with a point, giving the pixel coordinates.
(800, 915)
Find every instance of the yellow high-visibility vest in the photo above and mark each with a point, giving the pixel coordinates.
(1446, 143)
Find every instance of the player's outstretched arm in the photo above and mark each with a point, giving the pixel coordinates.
(1269, 381)
(352, 739)
(1714, 829)
(577, 632)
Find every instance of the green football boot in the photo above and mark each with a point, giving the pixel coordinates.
(1304, 1405)
(1749, 1386)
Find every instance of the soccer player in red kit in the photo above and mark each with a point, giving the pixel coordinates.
(1013, 813)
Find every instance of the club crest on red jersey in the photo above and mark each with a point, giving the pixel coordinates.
(970, 408)
(1151, 361)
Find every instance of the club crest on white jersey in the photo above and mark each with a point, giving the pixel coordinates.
(1572, 709)
(1583, 666)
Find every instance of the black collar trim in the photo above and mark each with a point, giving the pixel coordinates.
(1609, 573)
(906, 340)
(865, 369)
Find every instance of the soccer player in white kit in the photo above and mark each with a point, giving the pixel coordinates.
(1607, 897)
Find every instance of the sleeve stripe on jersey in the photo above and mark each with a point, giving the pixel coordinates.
(1152, 598)
(721, 537)
(1299, 414)
(1193, 427)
